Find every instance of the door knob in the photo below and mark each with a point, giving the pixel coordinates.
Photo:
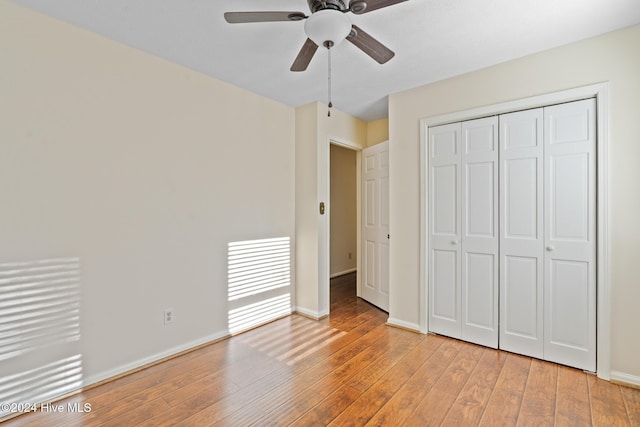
(551, 248)
(454, 242)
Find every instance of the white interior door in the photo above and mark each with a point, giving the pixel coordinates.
(375, 225)
(445, 304)
(479, 226)
(521, 232)
(570, 234)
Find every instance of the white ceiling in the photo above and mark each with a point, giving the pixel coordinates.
(432, 39)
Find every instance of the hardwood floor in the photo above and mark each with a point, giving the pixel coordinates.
(349, 370)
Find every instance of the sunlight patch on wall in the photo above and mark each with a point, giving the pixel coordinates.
(39, 384)
(40, 354)
(39, 305)
(259, 282)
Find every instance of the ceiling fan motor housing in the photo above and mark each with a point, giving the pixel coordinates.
(316, 5)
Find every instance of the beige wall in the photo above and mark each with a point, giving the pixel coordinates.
(377, 132)
(342, 210)
(314, 131)
(143, 169)
(615, 58)
(306, 187)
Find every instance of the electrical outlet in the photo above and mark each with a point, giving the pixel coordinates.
(169, 316)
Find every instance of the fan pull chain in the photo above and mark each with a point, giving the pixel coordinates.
(329, 82)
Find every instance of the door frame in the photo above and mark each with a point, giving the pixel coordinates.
(599, 91)
(324, 248)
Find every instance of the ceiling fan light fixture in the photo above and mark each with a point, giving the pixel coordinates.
(327, 25)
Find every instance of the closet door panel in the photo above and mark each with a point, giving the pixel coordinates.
(521, 199)
(569, 302)
(570, 234)
(480, 292)
(480, 198)
(521, 232)
(480, 231)
(521, 328)
(444, 230)
(569, 197)
(445, 296)
(445, 191)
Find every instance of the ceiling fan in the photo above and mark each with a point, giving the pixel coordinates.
(327, 26)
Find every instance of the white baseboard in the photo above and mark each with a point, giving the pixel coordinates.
(312, 314)
(404, 325)
(137, 364)
(625, 378)
(342, 273)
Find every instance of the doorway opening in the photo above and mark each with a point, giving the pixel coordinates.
(343, 212)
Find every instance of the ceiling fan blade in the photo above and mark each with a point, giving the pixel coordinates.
(369, 45)
(304, 57)
(244, 17)
(372, 5)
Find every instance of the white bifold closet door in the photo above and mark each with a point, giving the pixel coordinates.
(464, 230)
(548, 233)
(522, 232)
(512, 217)
(570, 234)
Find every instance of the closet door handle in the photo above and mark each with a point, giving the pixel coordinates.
(550, 248)
(454, 242)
